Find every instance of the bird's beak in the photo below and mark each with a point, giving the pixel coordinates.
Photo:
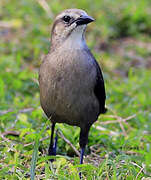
(84, 20)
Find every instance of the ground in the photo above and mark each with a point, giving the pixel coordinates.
(119, 142)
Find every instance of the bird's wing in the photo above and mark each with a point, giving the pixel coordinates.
(99, 89)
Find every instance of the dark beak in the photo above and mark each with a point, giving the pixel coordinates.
(84, 20)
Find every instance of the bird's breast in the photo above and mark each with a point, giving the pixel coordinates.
(66, 84)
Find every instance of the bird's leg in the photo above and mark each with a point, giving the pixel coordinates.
(83, 141)
(55, 143)
(81, 155)
(81, 160)
(52, 147)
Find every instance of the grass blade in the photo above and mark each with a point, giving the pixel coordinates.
(34, 158)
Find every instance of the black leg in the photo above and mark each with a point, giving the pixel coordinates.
(83, 141)
(82, 154)
(55, 143)
(52, 147)
(81, 160)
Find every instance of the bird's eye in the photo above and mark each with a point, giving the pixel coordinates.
(66, 18)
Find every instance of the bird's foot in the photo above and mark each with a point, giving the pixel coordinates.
(52, 151)
(80, 175)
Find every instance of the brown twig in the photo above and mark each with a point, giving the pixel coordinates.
(13, 133)
(4, 138)
(3, 112)
(141, 168)
(96, 155)
(42, 139)
(139, 173)
(68, 142)
(122, 127)
(119, 120)
(112, 133)
(131, 152)
(26, 110)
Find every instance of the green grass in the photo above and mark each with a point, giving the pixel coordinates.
(116, 150)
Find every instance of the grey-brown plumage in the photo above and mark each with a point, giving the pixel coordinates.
(71, 83)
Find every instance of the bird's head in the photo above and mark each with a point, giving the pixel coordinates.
(69, 24)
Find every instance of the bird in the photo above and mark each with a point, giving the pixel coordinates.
(72, 88)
